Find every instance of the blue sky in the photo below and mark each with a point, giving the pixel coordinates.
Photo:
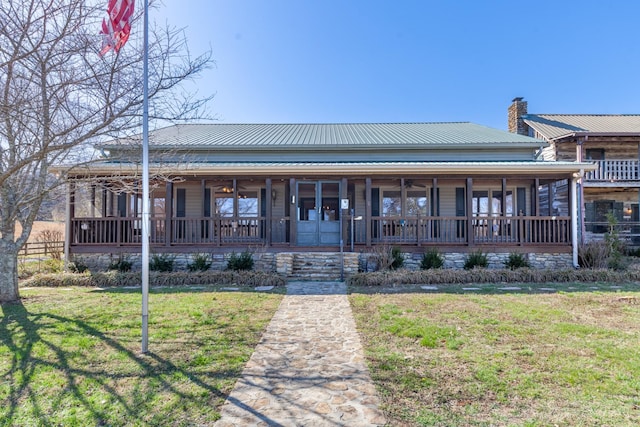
(294, 61)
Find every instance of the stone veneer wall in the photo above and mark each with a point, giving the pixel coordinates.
(496, 260)
(284, 263)
(99, 262)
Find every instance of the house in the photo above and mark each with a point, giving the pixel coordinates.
(612, 142)
(304, 194)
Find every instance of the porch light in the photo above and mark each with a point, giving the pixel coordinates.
(84, 225)
(274, 195)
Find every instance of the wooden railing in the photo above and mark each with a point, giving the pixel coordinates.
(393, 230)
(614, 170)
(179, 231)
(453, 230)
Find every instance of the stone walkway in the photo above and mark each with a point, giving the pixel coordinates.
(308, 369)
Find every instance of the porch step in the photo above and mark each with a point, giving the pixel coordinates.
(316, 266)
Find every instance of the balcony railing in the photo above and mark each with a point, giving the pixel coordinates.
(614, 171)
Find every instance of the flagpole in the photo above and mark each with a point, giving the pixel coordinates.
(145, 184)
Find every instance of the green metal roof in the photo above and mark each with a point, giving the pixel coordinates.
(556, 126)
(326, 136)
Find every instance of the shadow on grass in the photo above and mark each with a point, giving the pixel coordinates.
(22, 332)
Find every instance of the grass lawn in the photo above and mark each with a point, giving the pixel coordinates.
(497, 358)
(72, 356)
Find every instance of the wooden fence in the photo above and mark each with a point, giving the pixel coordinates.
(42, 248)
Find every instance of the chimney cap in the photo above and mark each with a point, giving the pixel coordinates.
(517, 99)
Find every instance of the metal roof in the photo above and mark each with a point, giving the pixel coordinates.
(555, 126)
(326, 136)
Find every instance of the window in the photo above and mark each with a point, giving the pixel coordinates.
(595, 153)
(416, 203)
(248, 204)
(391, 203)
(482, 205)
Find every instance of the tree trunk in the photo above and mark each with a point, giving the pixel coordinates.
(8, 274)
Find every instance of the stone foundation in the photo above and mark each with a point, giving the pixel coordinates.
(326, 265)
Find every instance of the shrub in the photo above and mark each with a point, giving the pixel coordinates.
(200, 262)
(397, 259)
(476, 260)
(516, 260)
(594, 255)
(387, 258)
(162, 262)
(183, 278)
(122, 265)
(244, 261)
(431, 259)
(77, 266)
(51, 241)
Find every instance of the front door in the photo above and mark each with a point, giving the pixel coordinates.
(318, 211)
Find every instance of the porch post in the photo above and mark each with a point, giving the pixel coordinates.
(343, 195)
(536, 198)
(269, 211)
(574, 220)
(293, 217)
(367, 212)
(168, 214)
(470, 237)
(69, 214)
(93, 200)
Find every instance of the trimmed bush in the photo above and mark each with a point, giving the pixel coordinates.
(243, 262)
(162, 262)
(431, 259)
(200, 262)
(485, 275)
(397, 259)
(122, 265)
(476, 260)
(516, 260)
(118, 279)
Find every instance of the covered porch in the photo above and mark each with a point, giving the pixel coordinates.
(210, 213)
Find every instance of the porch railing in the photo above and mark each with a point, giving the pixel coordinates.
(614, 170)
(458, 230)
(178, 231)
(453, 230)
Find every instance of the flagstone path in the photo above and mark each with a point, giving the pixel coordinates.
(308, 369)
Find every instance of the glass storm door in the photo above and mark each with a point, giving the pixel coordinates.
(318, 211)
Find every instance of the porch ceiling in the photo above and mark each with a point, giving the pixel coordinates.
(339, 168)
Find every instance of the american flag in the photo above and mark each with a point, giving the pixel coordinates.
(117, 27)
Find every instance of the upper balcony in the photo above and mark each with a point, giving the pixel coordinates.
(614, 172)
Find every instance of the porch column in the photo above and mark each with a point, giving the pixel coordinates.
(269, 211)
(344, 224)
(168, 214)
(535, 209)
(293, 216)
(367, 212)
(503, 208)
(69, 214)
(93, 200)
(470, 237)
(574, 219)
(403, 198)
(434, 198)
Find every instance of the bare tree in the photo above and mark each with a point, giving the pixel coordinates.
(58, 95)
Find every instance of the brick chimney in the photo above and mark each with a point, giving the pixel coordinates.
(517, 109)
